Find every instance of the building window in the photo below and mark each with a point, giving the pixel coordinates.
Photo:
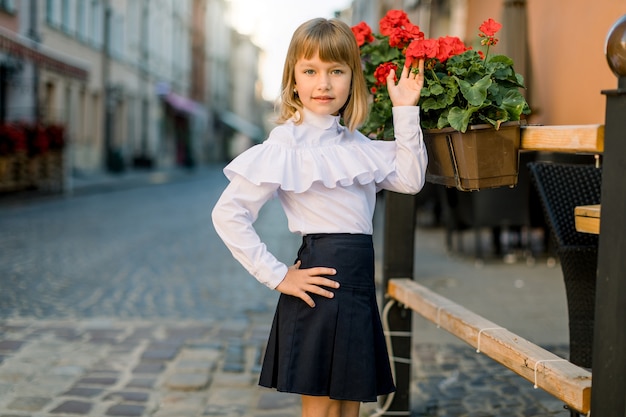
(7, 5)
(116, 39)
(65, 16)
(81, 20)
(97, 16)
(52, 16)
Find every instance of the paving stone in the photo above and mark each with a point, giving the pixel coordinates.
(130, 396)
(63, 333)
(187, 381)
(125, 410)
(277, 401)
(149, 367)
(73, 407)
(11, 345)
(141, 383)
(83, 392)
(29, 403)
(68, 370)
(183, 402)
(194, 366)
(163, 354)
(174, 413)
(142, 333)
(230, 379)
(98, 381)
(184, 333)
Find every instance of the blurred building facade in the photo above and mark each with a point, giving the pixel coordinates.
(134, 83)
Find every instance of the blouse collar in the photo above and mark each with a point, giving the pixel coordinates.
(320, 121)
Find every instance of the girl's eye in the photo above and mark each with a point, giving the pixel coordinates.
(337, 71)
(309, 72)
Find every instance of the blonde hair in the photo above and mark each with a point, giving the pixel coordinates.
(334, 41)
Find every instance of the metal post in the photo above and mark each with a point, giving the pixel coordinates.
(106, 85)
(33, 33)
(609, 347)
(398, 252)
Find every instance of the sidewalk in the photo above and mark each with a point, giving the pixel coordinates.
(166, 368)
(101, 182)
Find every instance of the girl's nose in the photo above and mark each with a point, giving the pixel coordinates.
(324, 82)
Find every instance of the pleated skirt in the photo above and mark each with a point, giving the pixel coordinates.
(336, 349)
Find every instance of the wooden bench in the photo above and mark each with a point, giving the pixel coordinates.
(555, 375)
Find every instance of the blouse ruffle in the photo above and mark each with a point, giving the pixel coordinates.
(351, 160)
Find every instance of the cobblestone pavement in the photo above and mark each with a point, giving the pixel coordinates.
(123, 302)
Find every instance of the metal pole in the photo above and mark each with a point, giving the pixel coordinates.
(33, 33)
(609, 347)
(398, 252)
(106, 84)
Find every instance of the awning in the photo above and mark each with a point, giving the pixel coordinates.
(240, 124)
(183, 104)
(24, 48)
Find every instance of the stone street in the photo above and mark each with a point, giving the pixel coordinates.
(121, 301)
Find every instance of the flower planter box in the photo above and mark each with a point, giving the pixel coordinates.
(482, 157)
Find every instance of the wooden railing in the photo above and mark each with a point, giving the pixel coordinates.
(557, 376)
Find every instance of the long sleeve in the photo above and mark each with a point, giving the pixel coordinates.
(411, 157)
(233, 217)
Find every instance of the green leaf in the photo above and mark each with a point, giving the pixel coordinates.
(474, 94)
(514, 104)
(460, 118)
(436, 89)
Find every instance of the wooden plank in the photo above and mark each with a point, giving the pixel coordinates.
(567, 138)
(587, 218)
(592, 210)
(557, 376)
(587, 225)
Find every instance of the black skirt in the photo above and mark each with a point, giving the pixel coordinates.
(336, 349)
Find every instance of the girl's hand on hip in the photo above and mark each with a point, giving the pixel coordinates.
(300, 282)
(409, 87)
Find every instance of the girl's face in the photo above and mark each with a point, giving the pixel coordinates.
(323, 87)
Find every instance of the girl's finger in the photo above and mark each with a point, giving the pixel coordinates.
(314, 289)
(405, 71)
(325, 282)
(307, 299)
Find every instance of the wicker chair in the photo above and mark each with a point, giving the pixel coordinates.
(561, 187)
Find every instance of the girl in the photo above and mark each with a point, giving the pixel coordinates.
(326, 341)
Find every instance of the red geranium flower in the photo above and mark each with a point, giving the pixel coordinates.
(450, 46)
(382, 72)
(490, 27)
(400, 37)
(422, 49)
(362, 33)
(393, 19)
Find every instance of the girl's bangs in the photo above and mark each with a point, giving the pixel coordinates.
(329, 47)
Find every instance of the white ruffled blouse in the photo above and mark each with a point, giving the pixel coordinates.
(326, 178)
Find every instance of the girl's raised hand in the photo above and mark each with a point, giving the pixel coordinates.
(409, 87)
(300, 282)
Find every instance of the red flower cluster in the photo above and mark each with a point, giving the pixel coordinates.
(35, 139)
(441, 49)
(362, 33)
(450, 66)
(400, 30)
